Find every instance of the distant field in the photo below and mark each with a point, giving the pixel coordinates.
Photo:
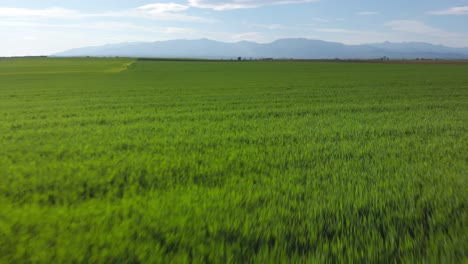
(122, 161)
(418, 61)
(60, 65)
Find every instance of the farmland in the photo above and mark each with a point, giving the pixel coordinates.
(123, 161)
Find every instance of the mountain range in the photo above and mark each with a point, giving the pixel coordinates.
(297, 48)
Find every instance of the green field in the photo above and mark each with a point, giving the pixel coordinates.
(122, 161)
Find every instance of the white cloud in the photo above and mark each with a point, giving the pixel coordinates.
(459, 10)
(166, 11)
(337, 30)
(327, 20)
(270, 26)
(52, 12)
(248, 36)
(221, 5)
(417, 27)
(178, 30)
(342, 31)
(167, 16)
(412, 30)
(368, 13)
(163, 7)
(94, 26)
(351, 36)
(319, 19)
(159, 11)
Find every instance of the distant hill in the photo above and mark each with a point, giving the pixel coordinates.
(283, 48)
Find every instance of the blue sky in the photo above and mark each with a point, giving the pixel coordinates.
(35, 27)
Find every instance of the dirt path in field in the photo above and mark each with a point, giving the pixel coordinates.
(127, 65)
(121, 68)
(112, 68)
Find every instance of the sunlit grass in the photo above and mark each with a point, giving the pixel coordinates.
(232, 162)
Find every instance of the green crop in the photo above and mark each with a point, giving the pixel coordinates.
(122, 161)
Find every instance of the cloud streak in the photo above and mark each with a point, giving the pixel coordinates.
(52, 12)
(270, 26)
(158, 11)
(163, 7)
(102, 26)
(222, 5)
(165, 11)
(368, 13)
(459, 10)
(417, 27)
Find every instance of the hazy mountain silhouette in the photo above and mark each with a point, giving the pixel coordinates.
(283, 48)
